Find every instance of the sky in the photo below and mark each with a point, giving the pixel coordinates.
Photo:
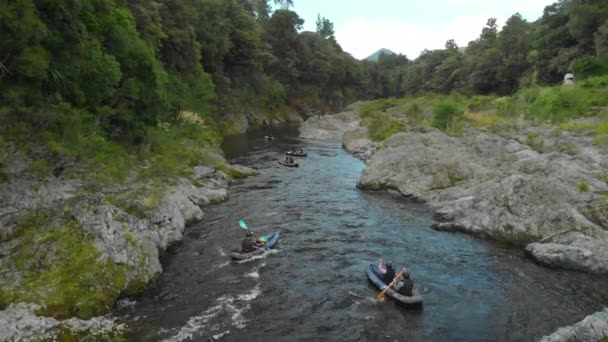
(410, 26)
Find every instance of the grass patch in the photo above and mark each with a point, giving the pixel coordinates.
(556, 104)
(382, 127)
(67, 335)
(577, 126)
(582, 186)
(39, 167)
(380, 122)
(536, 141)
(100, 159)
(174, 150)
(484, 120)
(63, 271)
(231, 172)
(521, 238)
(139, 200)
(446, 115)
(372, 108)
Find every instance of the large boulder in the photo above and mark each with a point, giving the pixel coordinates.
(592, 328)
(329, 126)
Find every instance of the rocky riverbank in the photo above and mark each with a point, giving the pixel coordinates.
(532, 186)
(593, 328)
(527, 185)
(70, 248)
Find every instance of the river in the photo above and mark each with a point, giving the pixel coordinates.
(314, 286)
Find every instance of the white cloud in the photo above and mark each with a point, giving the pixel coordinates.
(362, 36)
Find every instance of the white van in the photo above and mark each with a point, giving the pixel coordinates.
(569, 79)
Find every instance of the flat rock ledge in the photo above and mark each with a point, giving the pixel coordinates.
(592, 328)
(330, 126)
(18, 322)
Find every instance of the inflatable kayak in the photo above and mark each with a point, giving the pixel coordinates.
(295, 154)
(294, 164)
(373, 274)
(272, 241)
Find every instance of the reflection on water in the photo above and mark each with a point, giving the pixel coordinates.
(315, 288)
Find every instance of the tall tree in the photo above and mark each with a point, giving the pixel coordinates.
(514, 44)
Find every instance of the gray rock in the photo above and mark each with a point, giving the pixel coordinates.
(18, 322)
(592, 328)
(502, 188)
(329, 126)
(358, 144)
(20, 195)
(244, 170)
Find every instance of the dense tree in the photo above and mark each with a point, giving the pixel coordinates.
(122, 67)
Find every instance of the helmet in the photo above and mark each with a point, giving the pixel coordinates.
(249, 234)
(389, 264)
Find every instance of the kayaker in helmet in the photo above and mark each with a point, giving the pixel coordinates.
(249, 244)
(405, 285)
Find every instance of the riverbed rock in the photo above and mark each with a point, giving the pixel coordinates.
(20, 194)
(357, 143)
(591, 329)
(507, 187)
(330, 126)
(19, 322)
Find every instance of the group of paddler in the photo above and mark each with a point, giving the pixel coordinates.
(289, 160)
(399, 286)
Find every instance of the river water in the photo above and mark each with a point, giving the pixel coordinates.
(314, 286)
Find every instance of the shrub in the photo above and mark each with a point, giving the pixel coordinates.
(445, 115)
(374, 107)
(587, 66)
(382, 128)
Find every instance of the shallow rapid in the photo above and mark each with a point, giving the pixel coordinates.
(314, 286)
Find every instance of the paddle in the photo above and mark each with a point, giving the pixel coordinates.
(380, 297)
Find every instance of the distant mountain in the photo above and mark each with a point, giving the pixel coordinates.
(374, 57)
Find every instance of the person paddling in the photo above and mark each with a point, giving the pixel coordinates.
(387, 272)
(249, 244)
(404, 286)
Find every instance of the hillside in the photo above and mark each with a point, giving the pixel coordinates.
(374, 56)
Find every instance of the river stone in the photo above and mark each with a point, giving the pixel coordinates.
(592, 328)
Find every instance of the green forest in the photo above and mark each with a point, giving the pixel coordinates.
(141, 79)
